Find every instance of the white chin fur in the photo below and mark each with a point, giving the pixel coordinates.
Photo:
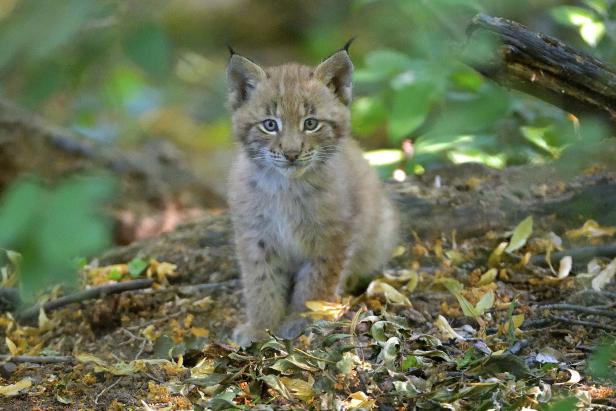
(292, 172)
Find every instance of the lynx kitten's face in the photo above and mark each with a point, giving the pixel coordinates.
(290, 118)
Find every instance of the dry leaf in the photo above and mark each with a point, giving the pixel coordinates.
(445, 329)
(398, 251)
(203, 368)
(11, 346)
(380, 288)
(517, 320)
(14, 389)
(488, 277)
(360, 400)
(199, 332)
(161, 271)
(326, 310)
(564, 267)
(299, 388)
(604, 277)
(43, 320)
(495, 256)
(574, 379)
(591, 229)
(520, 234)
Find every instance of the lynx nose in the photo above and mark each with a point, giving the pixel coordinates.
(291, 155)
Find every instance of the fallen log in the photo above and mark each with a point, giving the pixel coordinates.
(542, 66)
(470, 201)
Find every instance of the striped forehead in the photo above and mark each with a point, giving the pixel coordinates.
(291, 87)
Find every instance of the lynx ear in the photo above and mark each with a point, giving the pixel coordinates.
(242, 77)
(337, 71)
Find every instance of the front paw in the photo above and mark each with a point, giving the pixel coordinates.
(244, 335)
(292, 327)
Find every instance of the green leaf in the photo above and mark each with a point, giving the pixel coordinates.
(368, 114)
(381, 65)
(572, 16)
(537, 136)
(410, 107)
(600, 6)
(485, 303)
(411, 361)
(567, 404)
(454, 287)
(461, 156)
(520, 234)
(593, 32)
(600, 362)
(114, 275)
(51, 226)
(451, 284)
(378, 331)
(19, 211)
(467, 307)
(136, 267)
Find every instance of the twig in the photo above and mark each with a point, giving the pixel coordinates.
(584, 323)
(107, 388)
(48, 359)
(157, 320)
(141, 349)
(583, 253)
(96, 292)
(579, 309)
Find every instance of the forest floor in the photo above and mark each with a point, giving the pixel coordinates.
(480, 322)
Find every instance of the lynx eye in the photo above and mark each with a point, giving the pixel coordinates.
(270, 126)
(311, 124)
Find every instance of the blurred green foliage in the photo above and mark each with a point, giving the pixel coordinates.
(124, 71)
(601, 362)
(50, 227)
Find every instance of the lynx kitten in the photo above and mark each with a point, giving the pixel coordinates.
(310, 216)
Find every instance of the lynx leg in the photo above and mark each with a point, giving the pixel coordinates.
(314, 281)
(265, 290)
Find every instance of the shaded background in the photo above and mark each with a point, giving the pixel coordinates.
(145, 81)
(132, 72)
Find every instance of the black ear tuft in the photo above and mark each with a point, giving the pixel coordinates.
(348, 44)
(231, 51)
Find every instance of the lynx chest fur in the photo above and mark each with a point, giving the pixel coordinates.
(309, 214)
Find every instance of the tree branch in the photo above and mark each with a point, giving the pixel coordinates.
(95, 292)
(579, 309)
(542, 66)
(51, 359)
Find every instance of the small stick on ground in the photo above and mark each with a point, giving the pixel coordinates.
(107, 388)
(583, 253)
(31, 314)
(591, 324)
(51, 359)
(579, 309)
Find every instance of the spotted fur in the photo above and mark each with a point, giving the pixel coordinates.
(309, 214)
